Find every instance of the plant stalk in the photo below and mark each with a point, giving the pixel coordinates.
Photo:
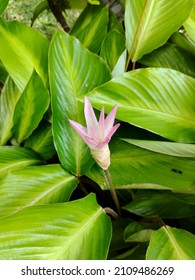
(113, 192)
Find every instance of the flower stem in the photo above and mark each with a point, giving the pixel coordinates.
(113, 192)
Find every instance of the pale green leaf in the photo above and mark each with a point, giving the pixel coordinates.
(149, 23)
(74, 71)
(155, 99)
(8, 99)
(91, 27)
(171, 244)
(30, 108)
(134, 167)
(3, 5)
(22, 50)
(35, 186)
(77, 230)
(41, 140)
(168, 148)
(189, 25)
(171, 56)
(16, 158)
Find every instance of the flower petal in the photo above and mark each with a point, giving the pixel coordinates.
(111, 132)
(82, 131)
(101, 126)
(90, 117)
(109, 121)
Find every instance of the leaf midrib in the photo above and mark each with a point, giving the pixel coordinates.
(78, 233)
(174, 243)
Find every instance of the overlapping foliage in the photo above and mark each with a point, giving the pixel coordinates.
(47, 174)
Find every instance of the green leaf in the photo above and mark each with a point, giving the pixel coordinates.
(22, 50)
(74, 71)
(16, 158)
(77, 230)
(41, 140)
(171, 56)
(159, 204)
(133, 167)
(91, 27)
(112, 48)
(35, 185)
(138, 252)
(30, 108)
(189, 25)
(171, 244)
(40, 7)
(183, 42)
(155, 99)
(149, 23)
(114, 43)
(139, 231)
(167, 148)
(3, 5)
(8, 99)
(3, 73)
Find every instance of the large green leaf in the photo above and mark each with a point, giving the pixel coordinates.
(74, 71)
(159, 204)
(3, 5)
(190, 25)
(41, 140)
(8, 99)
(114, 43)
(35, 185)
(156, 99)
(16, 158)
(168, 148)
(171, 244)
(134, 167)
(149, 23)
(171, 56)
(77, 230)
(91, 27)
(22, 50)
(30, 108)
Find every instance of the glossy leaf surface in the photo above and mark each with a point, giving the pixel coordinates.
(60, 231)
(171, 56)
(91, 27)
(149, 23)
(167, 148)
(189, 25)
(159, 204)
(22, 50)
(153, 99)
(171, 244)
(16, 158)
(74, 71)
(133, 167)
(41, 140)
(30, 108)
(8, 99)
(35, 186)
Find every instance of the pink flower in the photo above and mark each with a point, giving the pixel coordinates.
(97, 135)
